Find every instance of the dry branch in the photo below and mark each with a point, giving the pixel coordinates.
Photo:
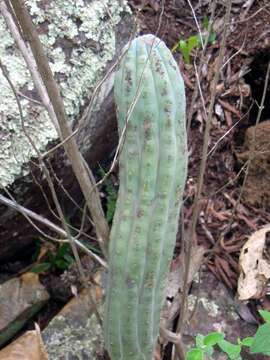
(29, 214)
(86, 182)
(194, 220)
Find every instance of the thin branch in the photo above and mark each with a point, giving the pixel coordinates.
(60, 144)
(245, 167)
(197, 24)
(253, 143)
(202, 168)
(127, 119)
(195, 92)
(29, 214)
(53, 192)
(71, 148)
(200, 89)
(236, 53)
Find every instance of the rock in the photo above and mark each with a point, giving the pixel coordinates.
(217, 310)
(29, 346)
(82, 41)
(20, 299)
(257, 188)
(75, 334)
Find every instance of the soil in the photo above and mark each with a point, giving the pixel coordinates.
(257, 188)
(222, 228)
(235, 111)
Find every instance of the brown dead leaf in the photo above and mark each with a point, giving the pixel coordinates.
(254, 269)
(27, 347)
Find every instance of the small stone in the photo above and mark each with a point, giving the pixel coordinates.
(75, 332)
(20, 299)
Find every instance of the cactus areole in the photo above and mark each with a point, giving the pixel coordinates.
(150, 101)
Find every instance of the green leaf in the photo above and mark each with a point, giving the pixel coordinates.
(213, 338)
(184, 49)
(232, 350)
(193, 42)
(63, 249)
(199, 340)
(209, 350)
(261, 343)
(50, 256)
(111, 201)
(205, 22)
(265, 315)
(69, 259)
(212, 38)
(247, 341)
(40, 268)
(61, 264)
(194, 354)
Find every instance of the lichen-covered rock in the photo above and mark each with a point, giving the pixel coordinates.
(75, 334)
(80, 39)
(216, 309)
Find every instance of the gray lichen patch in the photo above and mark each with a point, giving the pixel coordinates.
(75, 342)
(79, 39)
(75, 333)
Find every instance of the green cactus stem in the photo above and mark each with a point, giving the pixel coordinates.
(153, 167)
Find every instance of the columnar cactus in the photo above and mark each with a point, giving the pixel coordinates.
(150, 100)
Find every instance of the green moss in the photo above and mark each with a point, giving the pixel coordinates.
(79, 39)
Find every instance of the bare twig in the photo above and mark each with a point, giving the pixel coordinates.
(29, 214)
(222, 137)
(49, 152)
(53, 192)
(246, 166)
(71, 148)
(127, 119)
(197, 24)
(253, 143)
(251, 16)
(200, 89)
(235, 54)
(195, 92)
(248, 4)
(202, 169)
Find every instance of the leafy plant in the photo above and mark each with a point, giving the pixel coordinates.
(111, 196)
(195, 41)
(259, 344)
(61, 260)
